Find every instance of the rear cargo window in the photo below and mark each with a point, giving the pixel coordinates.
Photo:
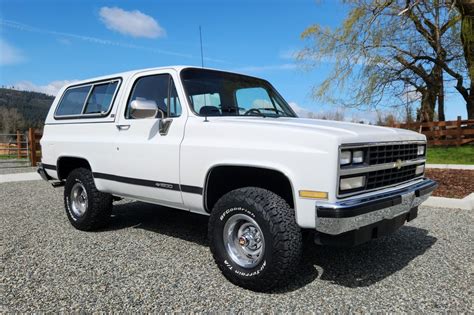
(89, 100)
(73, 101)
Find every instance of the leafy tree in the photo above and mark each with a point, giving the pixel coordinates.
(385, 46)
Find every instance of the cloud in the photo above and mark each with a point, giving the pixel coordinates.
(132, 23)
(9, 55)
(100, 41)
(51, 88)
(300, 111)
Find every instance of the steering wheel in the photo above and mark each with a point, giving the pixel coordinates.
(254, 111)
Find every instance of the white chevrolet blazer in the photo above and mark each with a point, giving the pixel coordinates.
(229, 146)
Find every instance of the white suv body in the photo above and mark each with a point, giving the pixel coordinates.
(196, 150)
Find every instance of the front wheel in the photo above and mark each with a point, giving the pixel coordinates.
(254, 238)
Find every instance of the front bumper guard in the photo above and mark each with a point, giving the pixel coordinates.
(352, 214)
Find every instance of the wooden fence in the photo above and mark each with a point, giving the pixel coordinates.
(34, 137)
(444, 133)
(14, 146)
(21, 147)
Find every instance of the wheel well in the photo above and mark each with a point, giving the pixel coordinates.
(66, 164)
(222, 179)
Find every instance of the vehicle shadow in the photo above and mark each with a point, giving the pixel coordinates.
(352, 267)
(369, 263)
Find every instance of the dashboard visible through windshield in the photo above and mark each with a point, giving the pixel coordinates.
(217, 93)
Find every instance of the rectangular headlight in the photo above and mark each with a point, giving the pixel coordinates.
(352, 183)
(421, 150)
(357, 157)
(345, 157)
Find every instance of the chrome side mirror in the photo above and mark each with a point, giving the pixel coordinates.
(140, 109)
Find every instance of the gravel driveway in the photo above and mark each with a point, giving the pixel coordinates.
(156, 259)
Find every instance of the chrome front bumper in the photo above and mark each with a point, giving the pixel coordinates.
(354, 213)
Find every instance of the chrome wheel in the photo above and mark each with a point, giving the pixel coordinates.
(243, 240)
(78, 200)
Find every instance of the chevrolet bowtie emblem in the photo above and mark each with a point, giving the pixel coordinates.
(398, 164)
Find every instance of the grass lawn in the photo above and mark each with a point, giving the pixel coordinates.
(10, 157)
(451, 155)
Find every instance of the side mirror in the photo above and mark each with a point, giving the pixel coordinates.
(140, 109)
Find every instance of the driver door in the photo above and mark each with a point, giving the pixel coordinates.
(149, 161)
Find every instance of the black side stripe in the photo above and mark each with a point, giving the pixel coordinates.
(149, 183)
(49, 167)
(191, 189)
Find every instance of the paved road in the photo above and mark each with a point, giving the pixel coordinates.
(156, 259)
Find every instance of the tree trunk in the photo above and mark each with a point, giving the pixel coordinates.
(470, 102)
(466, 8)
(428, 104)
(440, 92)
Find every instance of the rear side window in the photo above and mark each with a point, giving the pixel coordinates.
(100, 98)
(73, 101)
(90, 100)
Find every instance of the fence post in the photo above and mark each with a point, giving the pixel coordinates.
(458, 125)
(32, 140)
(18, 144)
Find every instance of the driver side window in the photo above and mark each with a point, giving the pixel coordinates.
(159, 88)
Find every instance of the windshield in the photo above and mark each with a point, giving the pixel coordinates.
(216, 93)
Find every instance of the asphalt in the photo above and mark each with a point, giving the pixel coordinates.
(152, 259)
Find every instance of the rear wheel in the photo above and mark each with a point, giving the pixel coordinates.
(254, 238)
(86, 207)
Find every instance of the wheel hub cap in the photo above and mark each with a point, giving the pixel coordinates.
(243, 240)
(78, 199)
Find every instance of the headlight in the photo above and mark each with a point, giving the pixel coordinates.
(357, 157)
(352, 183)
(345, 157)
(421, 150)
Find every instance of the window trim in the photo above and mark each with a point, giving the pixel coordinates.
(92, 84)
(170, 79)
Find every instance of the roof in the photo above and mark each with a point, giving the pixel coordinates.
(125, 75)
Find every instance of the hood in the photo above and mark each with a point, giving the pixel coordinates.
(346, 132)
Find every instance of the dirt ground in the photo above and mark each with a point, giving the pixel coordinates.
(452, 183)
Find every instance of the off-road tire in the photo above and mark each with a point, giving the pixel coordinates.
(99, 205)
(282, 238)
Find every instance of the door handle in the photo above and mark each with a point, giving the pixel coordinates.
(123, 127)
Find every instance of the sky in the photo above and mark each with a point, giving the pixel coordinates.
(45, 44)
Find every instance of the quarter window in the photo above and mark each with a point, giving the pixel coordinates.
(100, 98)
(73, 101)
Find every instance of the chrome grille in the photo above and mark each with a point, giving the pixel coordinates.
(390, 177)
(384, 165)
(391, 153)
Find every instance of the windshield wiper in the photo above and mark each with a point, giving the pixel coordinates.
(277, 111)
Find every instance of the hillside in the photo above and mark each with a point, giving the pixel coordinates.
(31, 109)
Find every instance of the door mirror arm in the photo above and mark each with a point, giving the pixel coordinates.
(164, 125)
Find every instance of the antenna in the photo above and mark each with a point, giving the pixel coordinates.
(202, 54)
